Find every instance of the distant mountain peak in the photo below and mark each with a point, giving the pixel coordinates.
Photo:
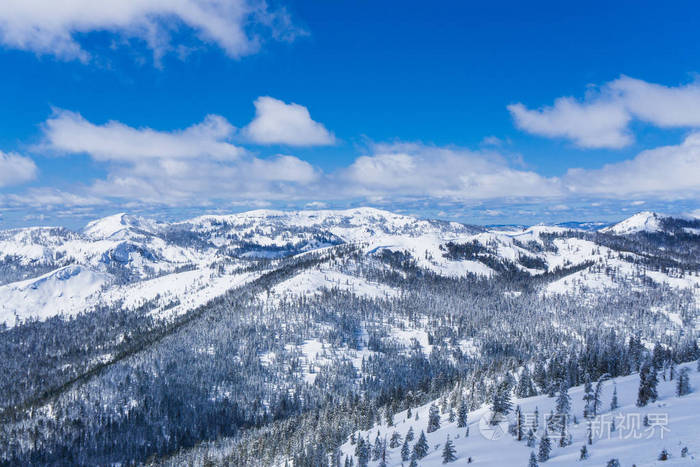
(645, 221)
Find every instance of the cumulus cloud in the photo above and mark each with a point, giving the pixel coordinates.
(277, 122)
(669, 171)
(16, 169)
(195, 163)
(70, 133)
(53, 26)
(601, 120)
(421, 170)
(589, 125)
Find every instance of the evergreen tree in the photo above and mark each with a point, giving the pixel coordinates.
(525, 387)
(597, 395)
(389, 416)
(683, 384)
(563, 400)
(647, 386)
(433, 418)
(536, 420)
(500, 404)
(414, 460)
(533, 460)
(448, 451)
(395, 440)
(377, 449)
(545, 447)
(613, 402)
(409, 434)
(584, 453)
(531, 438)
(613, 463)
(420, 449)
(362, 452)
(588, 397)
(519, 428)
(462, 414)
(405, 451)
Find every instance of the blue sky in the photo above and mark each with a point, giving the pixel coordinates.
(498, 113)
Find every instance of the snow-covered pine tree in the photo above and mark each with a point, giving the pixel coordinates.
(414, 460)
(409, 434)
(500, 404)
(449, 451)
(647, 386)
(377, 448)
(683, 383)
(395, 440)
(462, 414)
(563, 406)
(533, 460)
(584, 453)
(525, 387)
(420, 449)
(588, 397)
(531, 438)
(613, 402)
(519, 428)
(405, 451)
(598, 394)
(545, 447)
(433, 418)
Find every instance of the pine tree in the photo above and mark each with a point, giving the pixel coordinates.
(545, 448)
(613, 402)
(389, 416)
(409, 434)
(588, 397)
(448, 451)
(525, 387)
(414, 460)
(462, 414)
(584, 453)
(433, 419)
(395, 440)
(405, 451)
(519, 429)
(683, 384)
(597, 395)
(377, 449)
(563, 400)
(420, 449)
(536, 420)
(362, 452)
(647, 386)
(500, 404)
(530, 438)
(533, 460)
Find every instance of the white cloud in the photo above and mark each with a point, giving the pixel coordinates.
(50, 197)
(589, 125)
(16, 169)
(420, 170)
(68, 132)
(601, 120)
(668, 171)
(276, 122)
(52, 26)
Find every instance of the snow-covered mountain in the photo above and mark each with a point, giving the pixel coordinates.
(619, 433)
(132, 261)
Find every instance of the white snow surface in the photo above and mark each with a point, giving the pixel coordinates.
(64, 291)
(646, 221)
(675, 421)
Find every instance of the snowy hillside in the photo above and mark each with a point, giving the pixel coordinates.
(135, 261)
(642, 222)
(673, 426)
